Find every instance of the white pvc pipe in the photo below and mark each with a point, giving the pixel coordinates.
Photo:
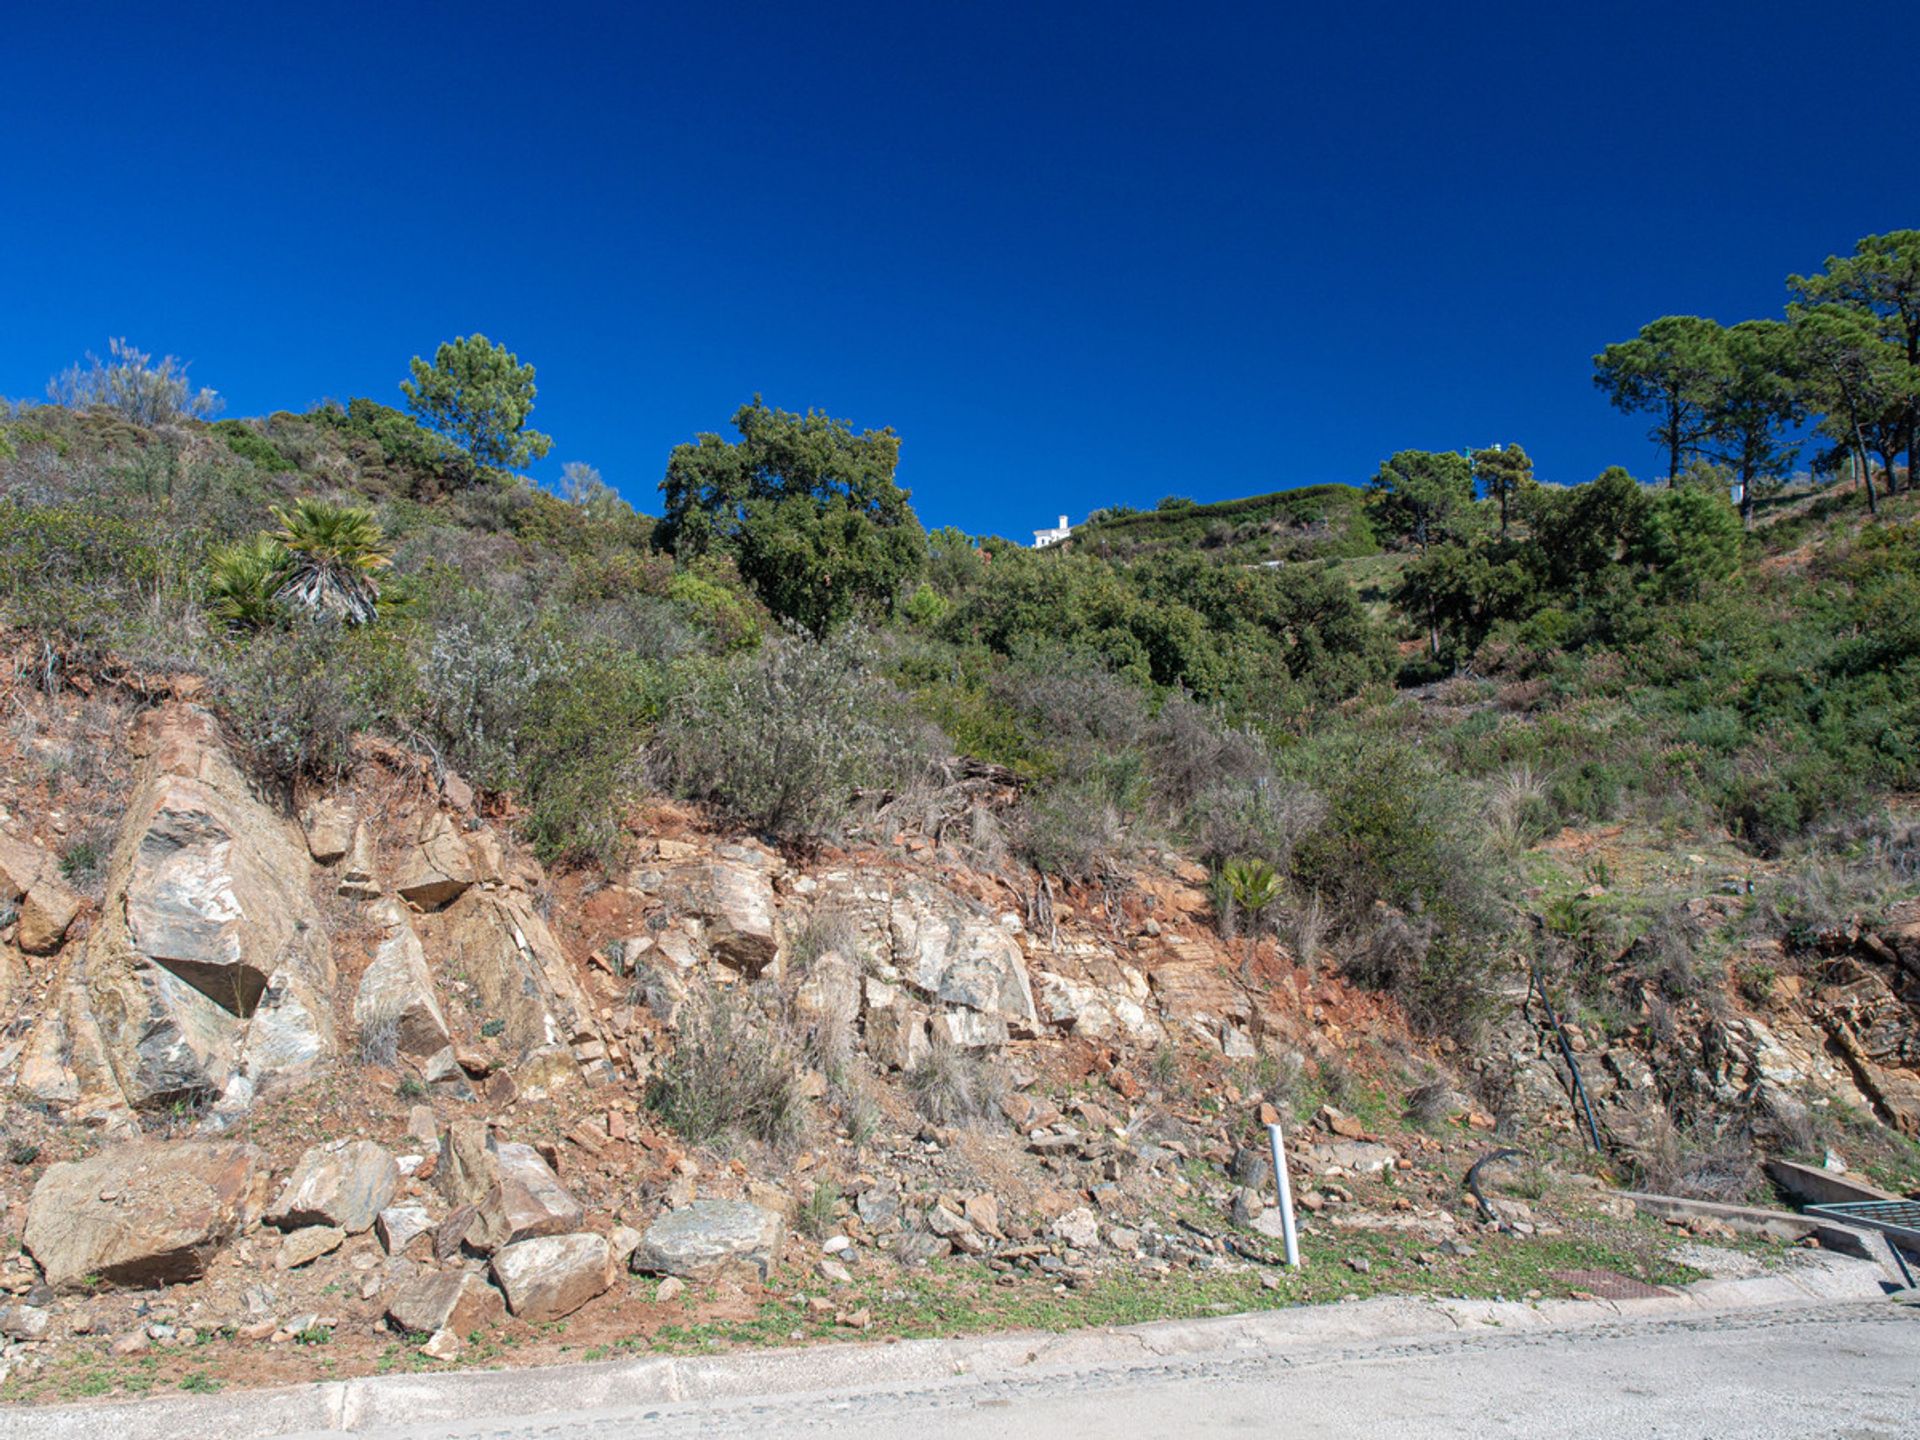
(1284, 1184)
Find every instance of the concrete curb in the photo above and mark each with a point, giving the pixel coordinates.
(354, 1407)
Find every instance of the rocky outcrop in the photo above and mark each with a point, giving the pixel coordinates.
(141, 1214)
(343, 1183)
(397, 988)
(522, 977)
(732, 900)
(959, 956)
(210, 973)
(553, 1275)
(711, 1238)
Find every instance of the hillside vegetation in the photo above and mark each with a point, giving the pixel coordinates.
(789, 645)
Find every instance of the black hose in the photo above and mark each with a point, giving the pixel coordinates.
(1473, 1179)
(1566, 1051)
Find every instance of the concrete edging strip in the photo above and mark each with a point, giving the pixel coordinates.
(359, 1405)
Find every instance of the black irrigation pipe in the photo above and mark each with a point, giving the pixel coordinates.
(1473, 1179)
(1566, 1051)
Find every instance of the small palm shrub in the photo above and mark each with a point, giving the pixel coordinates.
(244, 580)
(335, 555)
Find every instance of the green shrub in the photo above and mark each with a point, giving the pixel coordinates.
(295, 698)
(252, 446)
(730, 1073)
(786, 738)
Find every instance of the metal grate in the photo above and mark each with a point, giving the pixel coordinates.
(1607, 1284)
(1899, 1218)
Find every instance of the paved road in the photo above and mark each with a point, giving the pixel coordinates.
(1833, 1371)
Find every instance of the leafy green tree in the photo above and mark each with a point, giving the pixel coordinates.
(1882, 279)
(478, 395)
(1423, 496)
(1686, 539)
(1585, 532)
(1462, 591)
(1858, 383)
(1672, 370)
(1506, 474)
(808, 509)
(1758, 403)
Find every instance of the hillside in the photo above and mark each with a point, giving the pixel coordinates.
(1313, 522)
(454, 923)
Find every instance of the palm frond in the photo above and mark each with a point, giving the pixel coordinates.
(244, 581)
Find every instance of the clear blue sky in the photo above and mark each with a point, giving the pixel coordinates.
(1074, 254)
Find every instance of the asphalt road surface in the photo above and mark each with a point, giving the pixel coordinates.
(1850, 1371)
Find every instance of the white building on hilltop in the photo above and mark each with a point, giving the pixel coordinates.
(1044, 538)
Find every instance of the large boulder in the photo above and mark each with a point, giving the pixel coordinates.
(210, 973)
(455, 1300)
(397, 988)
(438, 866)
(143, 1214)
(343, 1183)
(329, 824)
(510, 1192)
(553, 1275)
(711, 1238)
(30, 881)
(959, 955)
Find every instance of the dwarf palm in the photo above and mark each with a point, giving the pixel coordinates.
(334, 555)
(244, 580)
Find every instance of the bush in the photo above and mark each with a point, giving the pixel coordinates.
(1072, 830)
(786, 739)
(130, 384)
(295, 698)
(250, 445)
(952, 1086)
(730, 1073)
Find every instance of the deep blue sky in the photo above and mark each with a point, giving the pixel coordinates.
(1074, 254)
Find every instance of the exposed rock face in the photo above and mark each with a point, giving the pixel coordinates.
(210, 972)
(553, 1275)
(1095, 1012)
(453, 1300)
(344, 1183)
(733, 900)
(523, 977)
(141, 1214)
(958, 955)
(710, 1238)
(397, 987)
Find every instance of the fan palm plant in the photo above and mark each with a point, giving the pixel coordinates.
(335, 554)
(244, 580)
(1254, 887)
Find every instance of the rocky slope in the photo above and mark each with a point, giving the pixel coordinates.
(349, 1067)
